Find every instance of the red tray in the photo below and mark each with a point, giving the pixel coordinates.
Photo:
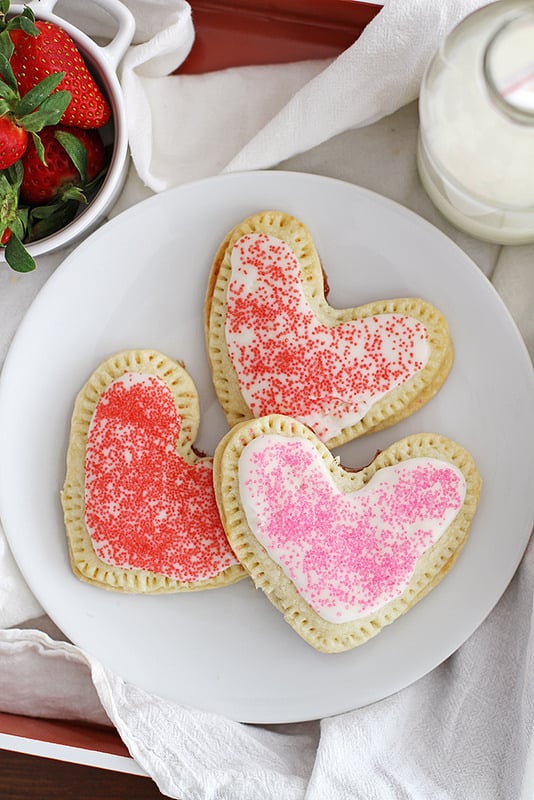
(240, 32)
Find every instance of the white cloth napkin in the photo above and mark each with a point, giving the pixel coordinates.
(256, 117)
(464, 731)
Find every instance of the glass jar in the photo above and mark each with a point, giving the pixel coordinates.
(476, 138)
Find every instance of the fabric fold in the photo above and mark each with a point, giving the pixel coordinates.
(379, 74)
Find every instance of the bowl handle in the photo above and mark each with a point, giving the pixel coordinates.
(124, 18)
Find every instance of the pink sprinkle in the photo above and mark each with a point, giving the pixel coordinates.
(348, 554)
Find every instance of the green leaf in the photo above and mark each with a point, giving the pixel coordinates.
(8, 198)
(17, 256)
(5, 188)
(6, 45)
(49, 112)
(38, 93)
(91, 188)
(7, 74)
(76, 151)
(25, 21)
(15, 174)
(8, 94)
(74, 193)
(25, 24)
(44, 212)
(39, 147)
(22, 216)
(18, 228)
(45, 220)
(27, 13)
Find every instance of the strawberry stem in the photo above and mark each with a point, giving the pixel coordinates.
(49, 112)
(24, 21)
(14, 219)
(40, 92)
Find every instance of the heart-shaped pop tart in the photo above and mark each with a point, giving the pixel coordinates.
(276, 346)
(139, 505)
(342, 553)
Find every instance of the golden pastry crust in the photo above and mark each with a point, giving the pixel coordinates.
(85, 563)
(267, 575)
(390, 409)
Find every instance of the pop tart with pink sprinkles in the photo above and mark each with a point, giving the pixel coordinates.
(342, 553)
(276, 346)
(139, 505)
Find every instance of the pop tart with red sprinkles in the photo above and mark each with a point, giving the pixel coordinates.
(138, 500)
(276, 346)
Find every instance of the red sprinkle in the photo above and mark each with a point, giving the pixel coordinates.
(289, 362)
(147, 508)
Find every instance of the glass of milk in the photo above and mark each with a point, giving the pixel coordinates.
(476, 140)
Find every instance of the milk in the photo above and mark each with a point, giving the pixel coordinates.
(476, 141)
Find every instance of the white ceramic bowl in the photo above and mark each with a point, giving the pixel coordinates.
(102, 61)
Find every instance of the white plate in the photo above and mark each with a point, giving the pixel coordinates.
(139, 281)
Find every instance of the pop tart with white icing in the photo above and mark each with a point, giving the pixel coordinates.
(342, 553)
(276, 346)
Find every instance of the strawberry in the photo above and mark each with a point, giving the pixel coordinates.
(74, 158)
(13, 141)
(53, 51)
(59, 166)
(42, 105)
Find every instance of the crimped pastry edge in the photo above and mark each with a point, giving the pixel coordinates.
(268, 576)
(393, 407)
(85, 563)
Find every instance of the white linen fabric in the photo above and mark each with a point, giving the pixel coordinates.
(465, 730)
